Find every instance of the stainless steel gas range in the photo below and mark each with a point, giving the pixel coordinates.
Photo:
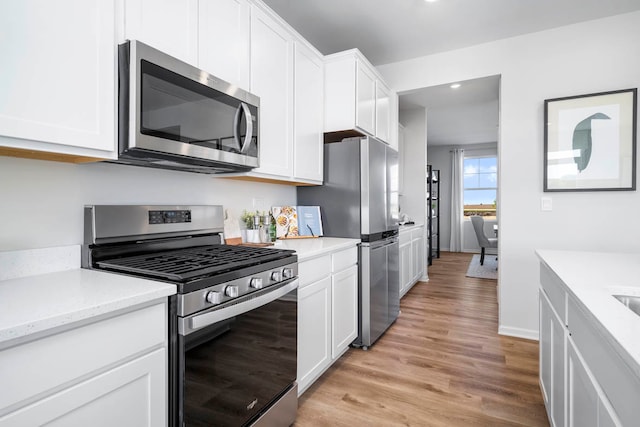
(233, 323)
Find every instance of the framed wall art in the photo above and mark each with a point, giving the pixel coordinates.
(590, 142)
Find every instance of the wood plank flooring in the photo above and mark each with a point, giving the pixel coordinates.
(442, 363)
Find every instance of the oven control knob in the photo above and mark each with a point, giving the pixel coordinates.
(287, 273)
(256, 282)
(231, 291)
(214, 297)
(276, 276)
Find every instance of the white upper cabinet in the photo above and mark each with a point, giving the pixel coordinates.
(356, 97)
(167, 25)
(366, 98)
(272, 81)
(383, 111)
(223, 39)
(58, 78)
(308, 109)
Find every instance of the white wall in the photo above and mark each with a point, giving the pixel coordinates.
(41, 202)
(439, 156)
(412, 199)
(579, 59)
(414, 169)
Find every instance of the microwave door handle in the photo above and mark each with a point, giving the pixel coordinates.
(249, 136)
(236, 126)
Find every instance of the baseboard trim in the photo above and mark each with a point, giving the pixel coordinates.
(519, 333)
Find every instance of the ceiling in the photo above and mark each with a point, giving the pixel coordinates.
(461, 116)
(394, 30)
(388, 31)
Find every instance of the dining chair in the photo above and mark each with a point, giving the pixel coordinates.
(483, 240)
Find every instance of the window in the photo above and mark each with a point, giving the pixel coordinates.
(480, 185)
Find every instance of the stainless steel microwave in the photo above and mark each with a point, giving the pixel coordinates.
(175, 116)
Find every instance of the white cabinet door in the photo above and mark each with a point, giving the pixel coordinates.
(308, 104)
(58, 76)
(344, 310)
(417, 251)
(223, 40)
(314, 331)
(583, 397)
(552, 361)
(168, 25)
(394, 125)
(545, 350)
(406, 267)
(587, 405)
(366, 98)
(132, 394)
(383, 111)
(272, 81)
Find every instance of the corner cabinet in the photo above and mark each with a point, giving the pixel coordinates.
(327, 312)
(412, 262)
(433, 213)
(308, 152)
(287, 73)
(272, 80)
(356, 97)
(59, 80)
(104, 373)
(584, 382)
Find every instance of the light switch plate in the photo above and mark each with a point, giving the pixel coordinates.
(546, 204)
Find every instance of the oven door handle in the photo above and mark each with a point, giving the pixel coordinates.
(194, 323)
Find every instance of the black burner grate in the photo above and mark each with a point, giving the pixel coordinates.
(185, 264)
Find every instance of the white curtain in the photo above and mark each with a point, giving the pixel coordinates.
(457, 188)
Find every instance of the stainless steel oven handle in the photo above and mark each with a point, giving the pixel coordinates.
(202, 320)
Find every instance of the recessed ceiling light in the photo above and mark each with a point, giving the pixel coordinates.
(431, 1)
(455, 86)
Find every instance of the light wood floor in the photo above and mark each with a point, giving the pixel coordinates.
(442, 363)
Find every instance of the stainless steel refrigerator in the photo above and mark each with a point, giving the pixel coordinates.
(359, 199)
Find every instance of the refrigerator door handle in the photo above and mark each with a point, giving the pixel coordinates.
(380, 243)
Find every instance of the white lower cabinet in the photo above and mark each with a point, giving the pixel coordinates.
(131, 394)
(412, 262)
(552, 362)
(344, 319)
(583, 381)
(327, 312)
(314, 331)
(106, 373)
(587, 405)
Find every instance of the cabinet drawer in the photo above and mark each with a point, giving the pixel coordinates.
(620, 384)
(417, 233)
(43, 365)
(343, 259)
(404, 236)
(314, 269)
(554, 289)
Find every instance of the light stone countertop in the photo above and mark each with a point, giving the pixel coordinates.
(409, 227)
(593, 278)
(315, 247)
(35, 304)
(48, 300)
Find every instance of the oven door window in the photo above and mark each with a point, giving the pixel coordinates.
(175, 108)
(235, 368)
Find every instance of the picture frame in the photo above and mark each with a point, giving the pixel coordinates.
(590, 142)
